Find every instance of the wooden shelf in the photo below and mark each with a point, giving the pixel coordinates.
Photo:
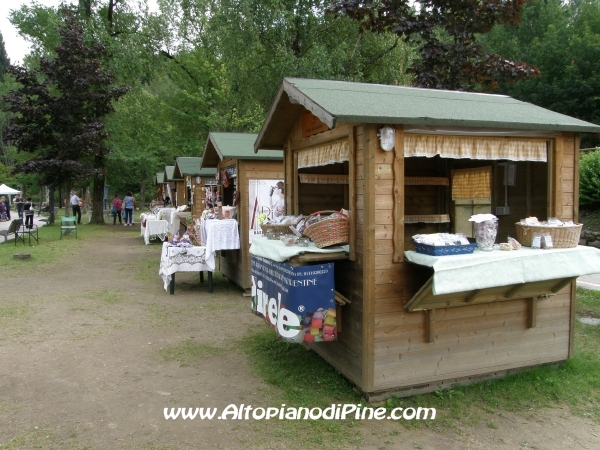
(427, 218)
(431, 181)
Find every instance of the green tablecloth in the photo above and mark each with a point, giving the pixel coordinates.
(276, 250)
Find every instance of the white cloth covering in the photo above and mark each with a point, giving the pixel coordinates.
(221, 235)
(158, 228)
(480, 270)
(180, 259)
(276, 250)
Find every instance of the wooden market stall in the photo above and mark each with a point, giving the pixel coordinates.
(195, 179)
(398, 336)
(171, 184)
(251, 177)
(159, 182)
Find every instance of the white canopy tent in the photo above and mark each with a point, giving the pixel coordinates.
(5, 190)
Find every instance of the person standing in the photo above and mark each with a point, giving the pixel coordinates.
(7, 205)
(129, 203)
(117, 204)
(3, 217)
(19, 202)
(28, 210)
(76, 207)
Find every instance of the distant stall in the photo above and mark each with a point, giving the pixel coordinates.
(405, 161)
(171, 184)
(195, 180)
(252, 183)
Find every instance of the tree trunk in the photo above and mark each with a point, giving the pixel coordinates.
(67, 200)
(98, 199)
(143, 188)
(51, 205)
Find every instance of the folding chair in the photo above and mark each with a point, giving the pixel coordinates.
(31, 231)
(13, 228)
(68, 226)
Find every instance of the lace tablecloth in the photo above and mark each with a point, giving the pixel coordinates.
(184, 259)
(158, 228)
(220, 235)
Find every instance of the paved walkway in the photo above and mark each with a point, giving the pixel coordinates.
(14, 215)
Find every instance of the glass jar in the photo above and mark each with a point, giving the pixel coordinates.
(485, 234)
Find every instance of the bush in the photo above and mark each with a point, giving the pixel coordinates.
(589, 179)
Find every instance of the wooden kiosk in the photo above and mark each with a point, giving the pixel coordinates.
(398, 337)
(251, 176)
(194, 179)
(171, 184)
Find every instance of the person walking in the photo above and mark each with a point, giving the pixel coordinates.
(29, 210)
(76, 207)
(19, 202)
(117, 204)
(129, 203)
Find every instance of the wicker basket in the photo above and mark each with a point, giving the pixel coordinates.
(328, 232)
(278, 229)
(562, 237)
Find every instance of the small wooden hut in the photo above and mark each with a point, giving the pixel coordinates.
(194, 179)
(159, 182)
(398, 337)
(252, 176)
(171, 184)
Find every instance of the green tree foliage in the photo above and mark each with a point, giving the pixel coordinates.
(563, 40)
(4, 59)
(445, 31)
(589, 179)
(59, 111)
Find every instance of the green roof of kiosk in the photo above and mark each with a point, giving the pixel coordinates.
(341, 101)
(169, 171)
(236, 146)
(191, 166)
(160, 177)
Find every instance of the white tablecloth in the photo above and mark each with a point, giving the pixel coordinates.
(158, 228)
(174, 218)
(143, 217)
(182, 259)
(221, 235)
(480, 270)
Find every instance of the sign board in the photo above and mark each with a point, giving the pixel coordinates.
(311, 124)
(298, 302)
(265, 197)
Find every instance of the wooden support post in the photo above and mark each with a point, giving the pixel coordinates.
(338, 317)
(514, 290)
(562, 284)
(532, 313)
(472, 296)
(398, 170)
(352, 193)
(429, 325)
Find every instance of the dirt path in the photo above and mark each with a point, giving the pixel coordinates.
(89, 360)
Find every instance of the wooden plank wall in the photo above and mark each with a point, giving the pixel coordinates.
(468, 341)
(346, 353)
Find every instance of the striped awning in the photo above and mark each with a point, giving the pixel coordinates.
(486, 148)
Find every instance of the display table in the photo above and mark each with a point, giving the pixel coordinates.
(174, 218)
(276, 250)
(486, 277)
(185, 259)
(155, 228)
(220, 235)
